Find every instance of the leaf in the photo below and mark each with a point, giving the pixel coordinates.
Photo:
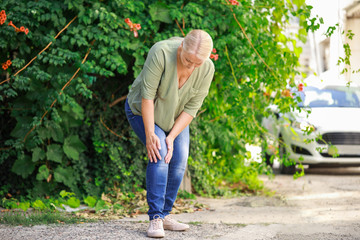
(64, 194)
(64, 175)
(90, 201)
(160, 12)
(38, 154)
(23, 166)
(38, 204)
(43, 133)
(100, 205)
(293, 131)
(75, 109)
(54, 153)
(333, 150)
(56, 132)
(299, 3)
(43, 173)
(24, 206)
(73, 146)
(73, 202)
(20, 129)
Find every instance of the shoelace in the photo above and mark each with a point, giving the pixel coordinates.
(156, 223)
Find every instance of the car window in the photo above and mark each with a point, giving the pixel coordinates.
(334, 96)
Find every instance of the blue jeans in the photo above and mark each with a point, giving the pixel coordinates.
(162, 180)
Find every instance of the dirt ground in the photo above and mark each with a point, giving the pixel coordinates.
(324, 204)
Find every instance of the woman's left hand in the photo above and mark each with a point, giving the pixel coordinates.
(170, 147)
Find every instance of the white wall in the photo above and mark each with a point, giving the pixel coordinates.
(332, 12)
(354, 25)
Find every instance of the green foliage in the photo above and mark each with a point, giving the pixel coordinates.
(186, 195)
(40, 218)
(240, 91)
(39, 205)
(101, 205)
(70, 199)
(72, 146)
(23, 166)
(47, 203)
(73, 202)
(90, 201)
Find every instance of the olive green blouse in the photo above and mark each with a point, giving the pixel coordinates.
(158, 81)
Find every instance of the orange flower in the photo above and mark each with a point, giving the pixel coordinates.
(214, 50)
(234, 2)
(300, 87)
(133, 26)
(11, 24)
(8, 62)
(214, 56)
(2, 17)
(4, 66)
(21, 29)
(137, 26)
(286, 93)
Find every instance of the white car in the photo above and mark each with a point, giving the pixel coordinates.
(328, 135)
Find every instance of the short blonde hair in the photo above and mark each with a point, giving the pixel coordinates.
(198, 42)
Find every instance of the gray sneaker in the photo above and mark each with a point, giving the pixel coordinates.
(156, 229)
(172, 224)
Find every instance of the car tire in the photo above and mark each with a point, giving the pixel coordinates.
(282, 154)
(287, 169)
(268, 160)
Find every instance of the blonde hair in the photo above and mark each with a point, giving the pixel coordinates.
(198, 42)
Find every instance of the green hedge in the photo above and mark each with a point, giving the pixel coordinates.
(84, 143)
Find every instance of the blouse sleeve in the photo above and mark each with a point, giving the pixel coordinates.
(151, 72)
(194, 104)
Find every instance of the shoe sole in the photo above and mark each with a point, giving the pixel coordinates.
(178, 230)
(156, 236)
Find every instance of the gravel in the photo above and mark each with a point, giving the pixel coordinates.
(110, 230)
(322, 205)
(126, 230)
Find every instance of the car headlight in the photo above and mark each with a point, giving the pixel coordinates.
(304, 126)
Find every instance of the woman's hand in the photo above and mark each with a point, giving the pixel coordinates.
(153, 146)
(170, 147)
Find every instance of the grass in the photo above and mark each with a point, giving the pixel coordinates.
(195, 223)
(236, 224)
(39, 218)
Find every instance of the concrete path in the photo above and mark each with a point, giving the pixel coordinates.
(323, 205)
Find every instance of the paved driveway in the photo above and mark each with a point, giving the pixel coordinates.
(323, 205)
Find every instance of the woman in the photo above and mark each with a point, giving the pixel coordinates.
(162, 102)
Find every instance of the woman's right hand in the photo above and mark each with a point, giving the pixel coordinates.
(153, 146)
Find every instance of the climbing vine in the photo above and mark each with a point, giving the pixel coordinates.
(65, 81)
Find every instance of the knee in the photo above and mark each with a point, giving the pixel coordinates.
(161, 161)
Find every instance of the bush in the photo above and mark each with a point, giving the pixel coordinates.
(61, 132)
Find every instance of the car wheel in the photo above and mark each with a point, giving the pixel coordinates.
(265, 156)
(282, 154)
(268, 160)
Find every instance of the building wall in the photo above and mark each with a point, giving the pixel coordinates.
(324, 53)
(353, 23)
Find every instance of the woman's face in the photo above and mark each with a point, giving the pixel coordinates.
(190, 60)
